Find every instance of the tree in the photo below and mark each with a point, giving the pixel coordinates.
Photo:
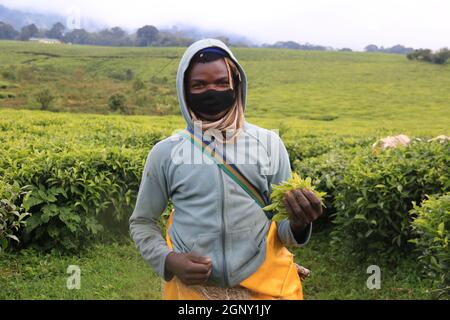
(78, 36)
(57, 31)
(138, 84)
(7, 31)
(421, 55)
(28, 32)
(45, 98)
(118, 32)
(111, 37)
(399, 49)
(118, 102)
(371, 48)
(146, 35)
(441, 56)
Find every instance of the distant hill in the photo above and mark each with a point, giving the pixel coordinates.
(19, 18)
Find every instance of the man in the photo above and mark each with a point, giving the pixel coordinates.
(219, 240)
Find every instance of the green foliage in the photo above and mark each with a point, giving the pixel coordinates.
(118, 102)
(72, 191)
(108, 271)
(9, 74)
(12, 213)
(83, 174)
(7, 95)
(439, 57)
(45, 97)
(126, 75)
(279, 191)
(327, 171)
(117, 271)
(138, 84)
(431, 227)
(311, 145)
(292, 86)
(7, 85)
(377, 191)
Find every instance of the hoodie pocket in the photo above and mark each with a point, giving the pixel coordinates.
(208, 245)
(243, 250)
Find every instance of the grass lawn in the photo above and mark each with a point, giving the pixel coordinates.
(108, 271)
(117, 271)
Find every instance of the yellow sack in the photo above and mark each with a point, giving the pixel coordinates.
(276, 278)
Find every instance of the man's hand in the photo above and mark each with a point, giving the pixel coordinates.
(190, 268)
(303, 208)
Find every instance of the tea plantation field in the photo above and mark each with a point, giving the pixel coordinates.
(69, 174)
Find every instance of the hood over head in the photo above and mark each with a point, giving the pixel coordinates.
(184, 65)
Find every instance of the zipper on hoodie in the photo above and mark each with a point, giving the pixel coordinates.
(224, 265)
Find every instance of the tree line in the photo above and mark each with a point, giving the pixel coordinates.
(427, 55)
(399, 49)
(147, 35)
(439, 57)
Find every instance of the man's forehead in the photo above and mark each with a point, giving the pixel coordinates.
(217, 68)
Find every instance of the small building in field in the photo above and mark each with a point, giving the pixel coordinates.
(46, 40)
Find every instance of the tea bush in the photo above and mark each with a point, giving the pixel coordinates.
(75, 194)
(12, 213)
(377, 191)
(431, 227)
(327, 172)
(82, 174)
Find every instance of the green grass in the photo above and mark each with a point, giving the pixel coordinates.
(108, 271)
(117, 271)
(340, 274)
(324, 92)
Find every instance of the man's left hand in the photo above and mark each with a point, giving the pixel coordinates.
(303, 208)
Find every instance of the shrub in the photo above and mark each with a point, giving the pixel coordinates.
(7, 95)
(439, 57)
(126, 75)
(7, 85)
(118, 102)
(431, 226)
(12, 213)
(75, 194)
(94, 171)
(9, 74)
(311, 146)
(327, 172)
(45, 98)
(377, 191)
(138, 84)
(129, 74)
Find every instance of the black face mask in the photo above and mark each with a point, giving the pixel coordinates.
(211, 102)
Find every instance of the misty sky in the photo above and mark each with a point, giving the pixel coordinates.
(339, 23)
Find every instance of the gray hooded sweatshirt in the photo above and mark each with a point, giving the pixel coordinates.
(214, 216)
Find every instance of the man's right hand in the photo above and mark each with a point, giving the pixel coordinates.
(190, 268)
